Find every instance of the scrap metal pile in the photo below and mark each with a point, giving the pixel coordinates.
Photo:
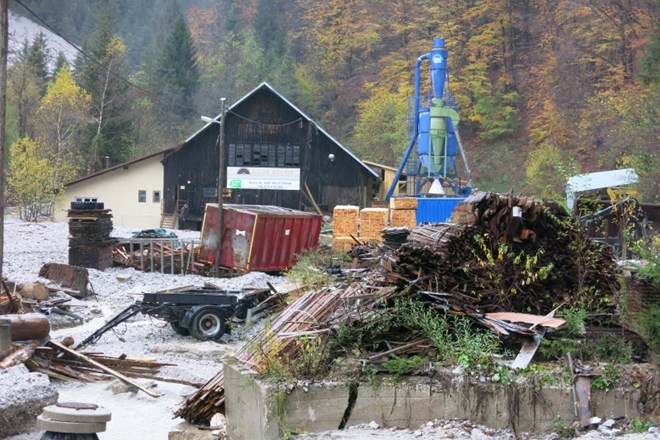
(508, 255)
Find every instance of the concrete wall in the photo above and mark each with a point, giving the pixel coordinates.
(252, 406)
(118, 190)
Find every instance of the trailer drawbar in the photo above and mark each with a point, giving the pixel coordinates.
(203, 313)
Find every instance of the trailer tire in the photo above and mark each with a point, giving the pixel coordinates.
(176, 326)
(208, 323)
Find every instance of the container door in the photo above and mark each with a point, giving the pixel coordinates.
(240, 243)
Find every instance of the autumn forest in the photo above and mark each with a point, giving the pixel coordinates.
(545, 88)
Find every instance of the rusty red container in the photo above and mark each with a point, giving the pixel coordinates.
(258, 237)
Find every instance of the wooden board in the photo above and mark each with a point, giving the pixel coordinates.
(583, 395)
(555, 323)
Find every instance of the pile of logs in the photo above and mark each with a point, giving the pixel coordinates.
(509, 254)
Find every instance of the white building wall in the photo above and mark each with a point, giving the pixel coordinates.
(118, 190)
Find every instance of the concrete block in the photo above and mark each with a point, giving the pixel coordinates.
(256, 409)
(22, 397)
(46, 424)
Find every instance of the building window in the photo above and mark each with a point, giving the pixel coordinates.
(156, 197)
(142, 196)
(264, 155)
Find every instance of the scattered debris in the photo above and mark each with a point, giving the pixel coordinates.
(75, 278)
(165, 255)
(507, 267)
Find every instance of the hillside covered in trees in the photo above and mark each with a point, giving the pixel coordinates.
(545, 88)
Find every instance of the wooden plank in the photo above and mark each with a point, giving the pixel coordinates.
(104, 368)
(583, 393)
(555, 323)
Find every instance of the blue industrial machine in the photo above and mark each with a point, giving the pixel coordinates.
(432, 168)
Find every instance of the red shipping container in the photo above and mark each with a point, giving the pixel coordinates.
(258, 237)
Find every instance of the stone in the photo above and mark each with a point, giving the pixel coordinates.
(120, 387)
(373, 425)
(35, 291)
(478, 434)
(22, 396)
(217, 421)
(609, 423)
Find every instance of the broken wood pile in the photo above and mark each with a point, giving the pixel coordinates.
(509, 255)
(10, 301)
(59, 361)
(312, 314)
(513, 254)
(74, 278)
(159, 255)
(90, 244)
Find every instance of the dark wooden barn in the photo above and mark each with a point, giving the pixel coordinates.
(273, 152)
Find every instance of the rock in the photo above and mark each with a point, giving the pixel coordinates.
(22, 397)
(417, 433)
(595, 420)
(609, 423)
(120, 387)
(217, 421)
(35, 291)
(478, 434)
(373, 425)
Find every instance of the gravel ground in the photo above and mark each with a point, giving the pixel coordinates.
(29, 246)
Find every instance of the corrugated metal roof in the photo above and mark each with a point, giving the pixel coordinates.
(269, 87)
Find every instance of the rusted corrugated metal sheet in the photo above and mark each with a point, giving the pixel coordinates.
(259, 237)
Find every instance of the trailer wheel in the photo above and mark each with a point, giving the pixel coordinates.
(208, 323)
(180, 330)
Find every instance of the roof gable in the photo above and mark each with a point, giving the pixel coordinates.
(266, 86)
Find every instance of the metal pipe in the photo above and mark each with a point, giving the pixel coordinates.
(465, 162)
(413, 138)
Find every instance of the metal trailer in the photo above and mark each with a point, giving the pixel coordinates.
(203, 313)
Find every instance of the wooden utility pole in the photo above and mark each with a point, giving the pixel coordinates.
(221, 167)
(4, 47)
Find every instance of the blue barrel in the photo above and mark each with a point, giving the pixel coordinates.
(436, 210)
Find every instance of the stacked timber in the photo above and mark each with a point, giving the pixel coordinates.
(403, 212)
(514, 254)
(345, 227)
(372, 222)
(90, 244)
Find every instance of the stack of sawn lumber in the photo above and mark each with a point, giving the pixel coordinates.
(90, 244)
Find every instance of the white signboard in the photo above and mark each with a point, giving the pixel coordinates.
(263, 178)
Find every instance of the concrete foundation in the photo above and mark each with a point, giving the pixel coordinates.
(256, 409)
(22, 397)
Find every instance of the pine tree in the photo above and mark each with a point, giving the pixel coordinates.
(104, 75)
(177, 75)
